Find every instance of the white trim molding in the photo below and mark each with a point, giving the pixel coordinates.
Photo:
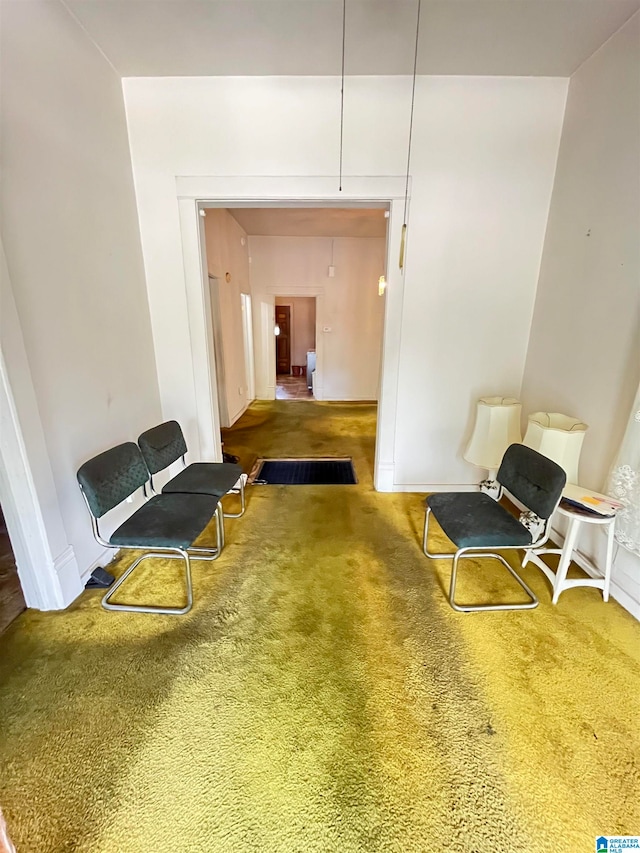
(47, 583)
(425, 488)
(108, 555)
(196, 193)
(27, 490)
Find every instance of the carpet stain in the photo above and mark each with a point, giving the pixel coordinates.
(321, 695)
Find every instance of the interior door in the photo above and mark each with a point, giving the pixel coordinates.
(283, 340)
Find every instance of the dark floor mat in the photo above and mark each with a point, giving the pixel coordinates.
(307, 472)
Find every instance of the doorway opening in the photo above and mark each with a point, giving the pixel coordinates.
(296, 312)
(12, 601)
(295, 342)
(197, 198)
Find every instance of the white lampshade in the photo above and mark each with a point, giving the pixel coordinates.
(497, 426)
(557, 437)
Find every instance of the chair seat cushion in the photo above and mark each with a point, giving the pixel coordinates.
(475, 520)
(166, 521)
(205, 478)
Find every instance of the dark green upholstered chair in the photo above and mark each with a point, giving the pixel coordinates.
(166, 525)
(164, 444)
(479, 526)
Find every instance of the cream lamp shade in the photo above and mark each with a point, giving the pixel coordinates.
(558, 437)
(497, 426)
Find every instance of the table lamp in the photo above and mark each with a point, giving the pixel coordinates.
(558, 437)
(497, 426)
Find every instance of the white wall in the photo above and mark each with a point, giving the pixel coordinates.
(484, 158)
(71, 238)
(227, 253)
(348, 357)
(584, 353)
(303, 326)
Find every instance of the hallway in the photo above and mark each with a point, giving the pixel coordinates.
(292, 388)
(321, 695)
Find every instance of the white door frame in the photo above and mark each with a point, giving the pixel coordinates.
(197, 193)
(217, 352)
(21, 507)
(247, 335)
(46, 563)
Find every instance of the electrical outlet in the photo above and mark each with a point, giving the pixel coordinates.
(240, 390)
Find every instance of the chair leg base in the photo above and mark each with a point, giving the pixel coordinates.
(235, 491)
(471, 608)
(193, 553)
(152, 608)
(462, 554)
(425, 550)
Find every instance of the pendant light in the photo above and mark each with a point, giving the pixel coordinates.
(344, 32)
(403, 239)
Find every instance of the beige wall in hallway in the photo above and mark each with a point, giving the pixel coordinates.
(348, 307)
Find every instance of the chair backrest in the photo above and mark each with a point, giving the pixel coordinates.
(532, 478)
(161, 445)
(112, 476)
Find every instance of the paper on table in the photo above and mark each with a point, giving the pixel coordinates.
(602, 504)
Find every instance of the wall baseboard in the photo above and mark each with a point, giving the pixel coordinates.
(349, 400)
(106, 557)
(240, 414)
(270, 393)
(423, 488)
(66, 568)
(384, 478)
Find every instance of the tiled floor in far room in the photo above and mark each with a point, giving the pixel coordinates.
(292, 388)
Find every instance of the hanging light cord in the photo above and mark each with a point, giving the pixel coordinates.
(344, 30)
(413, 98)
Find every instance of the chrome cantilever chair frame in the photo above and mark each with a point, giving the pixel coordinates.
(232, 491)
(470, 553)
(186, 555)
(477, 552)
(165, 443)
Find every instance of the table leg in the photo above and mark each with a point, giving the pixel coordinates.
(565, 558)
(608, 566)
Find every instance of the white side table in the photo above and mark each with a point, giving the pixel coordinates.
(558, 579)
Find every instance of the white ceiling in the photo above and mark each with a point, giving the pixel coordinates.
(157, 38)
(311, 221)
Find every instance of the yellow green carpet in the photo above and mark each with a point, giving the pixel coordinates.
(321, 695)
